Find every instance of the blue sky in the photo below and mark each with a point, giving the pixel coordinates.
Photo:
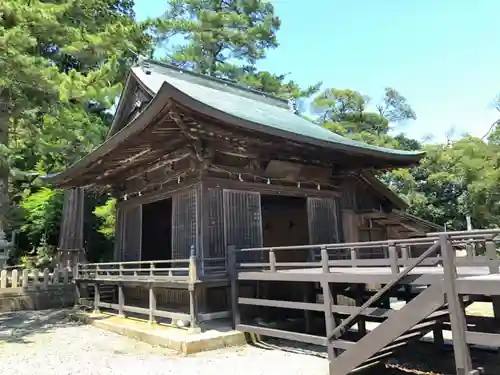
(443, 55)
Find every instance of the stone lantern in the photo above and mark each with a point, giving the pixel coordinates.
(5, 247)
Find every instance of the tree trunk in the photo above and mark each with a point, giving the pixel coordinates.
(4, 165)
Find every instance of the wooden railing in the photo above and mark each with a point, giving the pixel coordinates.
(191, 268)
(397, 253)
(154, 275)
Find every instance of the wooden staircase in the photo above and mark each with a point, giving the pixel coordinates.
(435, 295)
(411, 322)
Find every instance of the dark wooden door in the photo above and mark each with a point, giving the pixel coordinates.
(324, 224)
(130, 230)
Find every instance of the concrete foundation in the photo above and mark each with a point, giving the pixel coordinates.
(213, 336)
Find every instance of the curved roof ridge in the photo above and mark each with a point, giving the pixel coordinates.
(261, 116)
(149, 65)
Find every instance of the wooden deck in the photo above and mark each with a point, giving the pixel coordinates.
(435, 285)
(438, 286)
(109, 282)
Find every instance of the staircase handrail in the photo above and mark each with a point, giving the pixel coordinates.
(340, 329)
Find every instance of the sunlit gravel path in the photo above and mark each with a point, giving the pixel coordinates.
(43, 343)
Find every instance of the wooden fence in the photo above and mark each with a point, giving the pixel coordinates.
(10, 279)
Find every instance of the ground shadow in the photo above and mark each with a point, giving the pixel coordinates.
(16, 327)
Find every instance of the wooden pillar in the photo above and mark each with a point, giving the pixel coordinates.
(152, 304)
(70, 249)
(233, 278)
(97, 299)
(193, 292)
(360, 291)
(327, 303)
(463, 361)
(308, 297)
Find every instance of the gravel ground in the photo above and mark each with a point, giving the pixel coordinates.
(42, 343)
(47, 343)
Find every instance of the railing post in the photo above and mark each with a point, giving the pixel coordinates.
(327, 305)
(272, 260)
(193, 271)
(3, 279)
(233, 279)
(463, 362)
(491, 254)
(324, 260)
(26, 276)
(354, 256)
(14, 279)
(469, 248)
(393, 257)
(405, 255)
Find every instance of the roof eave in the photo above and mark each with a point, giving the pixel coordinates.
(189, 102)
(418, 219)
(384, 190)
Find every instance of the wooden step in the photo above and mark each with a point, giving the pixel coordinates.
(395, 326)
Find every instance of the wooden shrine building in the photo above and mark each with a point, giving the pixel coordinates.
(197, 164)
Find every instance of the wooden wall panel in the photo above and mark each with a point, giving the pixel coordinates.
(216, 247)
(243, 220)
(184, 223)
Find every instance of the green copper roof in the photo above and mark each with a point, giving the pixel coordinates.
(230, 103)
(271, 114)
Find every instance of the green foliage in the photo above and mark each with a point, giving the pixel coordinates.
(63, 64)
(41, 215)
(219, 33)
(224, 39)
(107, 217)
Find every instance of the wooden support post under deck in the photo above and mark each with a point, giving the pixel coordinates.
(121, 300)
(193, 296)
(152, 304)
(307, 294)
(463, 361)
(359, 302)
(97, 299)
(328, 302)
(233, 275)
(437, 334)
(77, 293)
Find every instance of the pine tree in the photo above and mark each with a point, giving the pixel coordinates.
(221, 36)
(62, 64)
